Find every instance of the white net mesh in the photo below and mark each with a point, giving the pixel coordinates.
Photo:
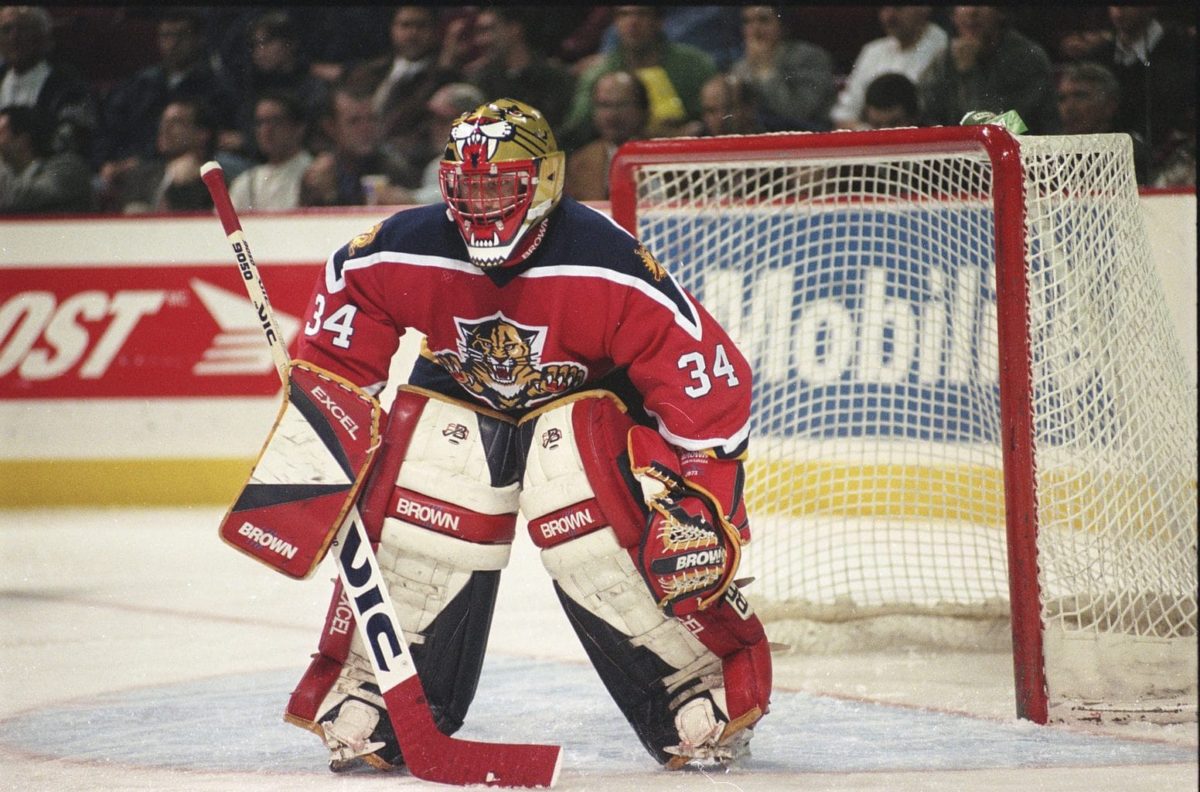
(1115, 433)
(861, 286)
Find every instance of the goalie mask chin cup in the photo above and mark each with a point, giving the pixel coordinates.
(501, 177)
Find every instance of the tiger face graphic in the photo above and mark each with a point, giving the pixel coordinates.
(504, 351)
(499, 361)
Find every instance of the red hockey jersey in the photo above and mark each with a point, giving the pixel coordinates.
(589, 302)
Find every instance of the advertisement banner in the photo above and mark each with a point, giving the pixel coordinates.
(142, 331)
(134, 370)
(888, 330)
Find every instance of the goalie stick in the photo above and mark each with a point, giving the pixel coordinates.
(429, 754)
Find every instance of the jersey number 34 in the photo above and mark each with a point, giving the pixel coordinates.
(698, 371)
(340, 322)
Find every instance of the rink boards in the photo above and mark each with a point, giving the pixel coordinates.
(132, 367)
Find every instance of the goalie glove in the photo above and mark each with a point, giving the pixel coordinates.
(690, 550)
(722, 480)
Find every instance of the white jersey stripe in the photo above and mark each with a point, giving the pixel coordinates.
(334, 283)
(689, 323)
(726, 444)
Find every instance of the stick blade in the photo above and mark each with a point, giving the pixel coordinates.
(433, 756)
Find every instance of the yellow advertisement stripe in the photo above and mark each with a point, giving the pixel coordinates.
(1076, 501)
(973, 494)
(1073, 499)
(121, 482)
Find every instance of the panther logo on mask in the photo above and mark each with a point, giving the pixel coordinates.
(499, 361)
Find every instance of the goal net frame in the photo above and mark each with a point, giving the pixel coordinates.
(1009, 198)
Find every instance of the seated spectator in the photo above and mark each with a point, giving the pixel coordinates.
(34, 178)
(131, 111)
(280, 130)
(620, 109)
(512, 68)
(793, 79)
(1175, 162)
(729, 106)
(335, 36)
(890, 101)
(671, 73)
(712, 29)
(445, 106)
(989, 66)
(582, 35)
(277, 66)
(170, 181)
(911, 43)
(402, 82)
(1088, 98)
(30, 79)
(360, 170)
(1155, 65)
(331, 37)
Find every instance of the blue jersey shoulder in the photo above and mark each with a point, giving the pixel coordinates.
(420, 230)
(583, 237)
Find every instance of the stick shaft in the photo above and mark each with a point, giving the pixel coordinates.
(214, 179)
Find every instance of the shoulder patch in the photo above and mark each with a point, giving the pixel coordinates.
(362, 240)
(650, 263)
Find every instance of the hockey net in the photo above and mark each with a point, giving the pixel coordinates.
(963, 365)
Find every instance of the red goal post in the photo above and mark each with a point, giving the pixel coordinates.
(937, 315)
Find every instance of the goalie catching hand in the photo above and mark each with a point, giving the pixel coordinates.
(690, 550)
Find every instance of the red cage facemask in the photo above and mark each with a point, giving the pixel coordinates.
(501, 177)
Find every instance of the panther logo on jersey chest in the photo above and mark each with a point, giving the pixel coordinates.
(500, 361)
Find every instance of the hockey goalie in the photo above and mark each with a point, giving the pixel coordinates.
(567, 377)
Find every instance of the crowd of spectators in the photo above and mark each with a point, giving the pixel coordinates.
(308, 106)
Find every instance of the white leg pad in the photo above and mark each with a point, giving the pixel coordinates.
(598, 574)
(440, 466)
(669, 683)
(443, 513)
(425, 570)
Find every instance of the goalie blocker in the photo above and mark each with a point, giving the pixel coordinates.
(308, 473)
(441, 505)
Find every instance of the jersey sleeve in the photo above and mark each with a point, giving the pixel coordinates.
(692, 377)
(347, 327)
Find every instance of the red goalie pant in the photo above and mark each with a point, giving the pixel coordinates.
(690, 688)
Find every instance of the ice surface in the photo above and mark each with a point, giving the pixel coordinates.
(137, 652)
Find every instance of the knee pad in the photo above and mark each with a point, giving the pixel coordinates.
(441, 510)
(679, 683)
(574, 481)
(447, 467)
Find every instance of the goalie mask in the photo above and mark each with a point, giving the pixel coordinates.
(501, 177)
